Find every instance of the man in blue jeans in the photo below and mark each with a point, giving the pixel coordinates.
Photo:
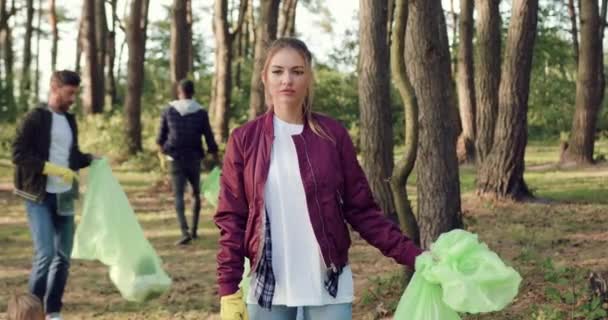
(182, 126)
(46, 157)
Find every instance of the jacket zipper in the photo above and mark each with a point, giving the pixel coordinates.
(331, 265)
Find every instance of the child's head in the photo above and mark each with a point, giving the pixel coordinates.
(24, 306)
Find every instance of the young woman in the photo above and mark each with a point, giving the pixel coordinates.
(290, 183)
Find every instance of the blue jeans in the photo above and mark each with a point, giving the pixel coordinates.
(53, 235)
(342, 311)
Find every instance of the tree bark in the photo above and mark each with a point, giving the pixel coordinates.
(375, 137)
(287, 19)
(266, 32)
(487, 75)
(465, 84)
(180, 44)
(26, 72)
(101, 40)
(54, 33)
(573, 28)
(136, 41)
(501, 176)
(588, 95)
(223, 55)
(92, 99)
(37, 68)
(428, 64)
(404, 167)
(6, 48)
(111, 57)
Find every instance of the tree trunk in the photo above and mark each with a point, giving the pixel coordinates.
(287, 19)
(54, 33)
(180, 44)
(501, 176)
(465, 84)
(101, 40)
(454, 34)
(6, 48)
(136, 41)
(92, 99)
(266, 32)
(428, 64)
(487, 75)
(582, 137)
(26, 72)
(573, 26)
(376, 138)
(223, 41)
(404, 167)
(37, 68)
(111, 57)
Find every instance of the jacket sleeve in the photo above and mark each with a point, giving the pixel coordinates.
(208, 133)
(364, 215)
(81, 160)
(231, 219)
(23, 153)
(161, 138)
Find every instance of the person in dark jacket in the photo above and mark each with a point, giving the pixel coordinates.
(182, 126)
(47, 157)
(290, 183)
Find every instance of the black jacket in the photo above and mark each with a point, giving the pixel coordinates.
(180, 136)
(31, 151)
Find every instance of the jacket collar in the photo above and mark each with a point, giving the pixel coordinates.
(268, 124)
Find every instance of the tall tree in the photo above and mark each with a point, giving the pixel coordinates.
(93, 93)
(111, 56)
(181, 39)
(404, 167)
(101, 41)
(224, 39)
(487, 75)
(287, 19)
(465, 83)
(428, 65)
(375, 138)
(54, 33)
(6, 48)
(502, 174)
(136, 41)
(266, 32)
(573, 28)
(588, 95)
(37, 68)
(25, 88)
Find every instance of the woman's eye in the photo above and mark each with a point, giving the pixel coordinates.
(276, 71)
(299, 72)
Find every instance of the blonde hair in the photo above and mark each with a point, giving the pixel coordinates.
(24, 306)
(300, 47)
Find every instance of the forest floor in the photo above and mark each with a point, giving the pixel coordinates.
(553, 243)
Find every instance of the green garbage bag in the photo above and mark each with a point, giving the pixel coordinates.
(109, 232)
(458, 274)
(246, 280)
(210, 187)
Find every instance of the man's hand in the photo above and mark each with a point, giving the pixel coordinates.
(216, 160)
(65, 174)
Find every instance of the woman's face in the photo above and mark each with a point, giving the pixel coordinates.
(287, 79)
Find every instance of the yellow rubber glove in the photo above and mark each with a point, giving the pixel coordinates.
(67, 175)
(233, 307)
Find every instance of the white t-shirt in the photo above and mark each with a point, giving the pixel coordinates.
(59, 151)
(296, 257)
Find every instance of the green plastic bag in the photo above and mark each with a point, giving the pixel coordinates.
(458, 274)
(210, 187)
(246, 280)
(109, 232)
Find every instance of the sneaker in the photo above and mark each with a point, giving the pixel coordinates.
(54, 316)
(183, 241)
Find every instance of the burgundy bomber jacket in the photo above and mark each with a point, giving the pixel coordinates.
(336, 189)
